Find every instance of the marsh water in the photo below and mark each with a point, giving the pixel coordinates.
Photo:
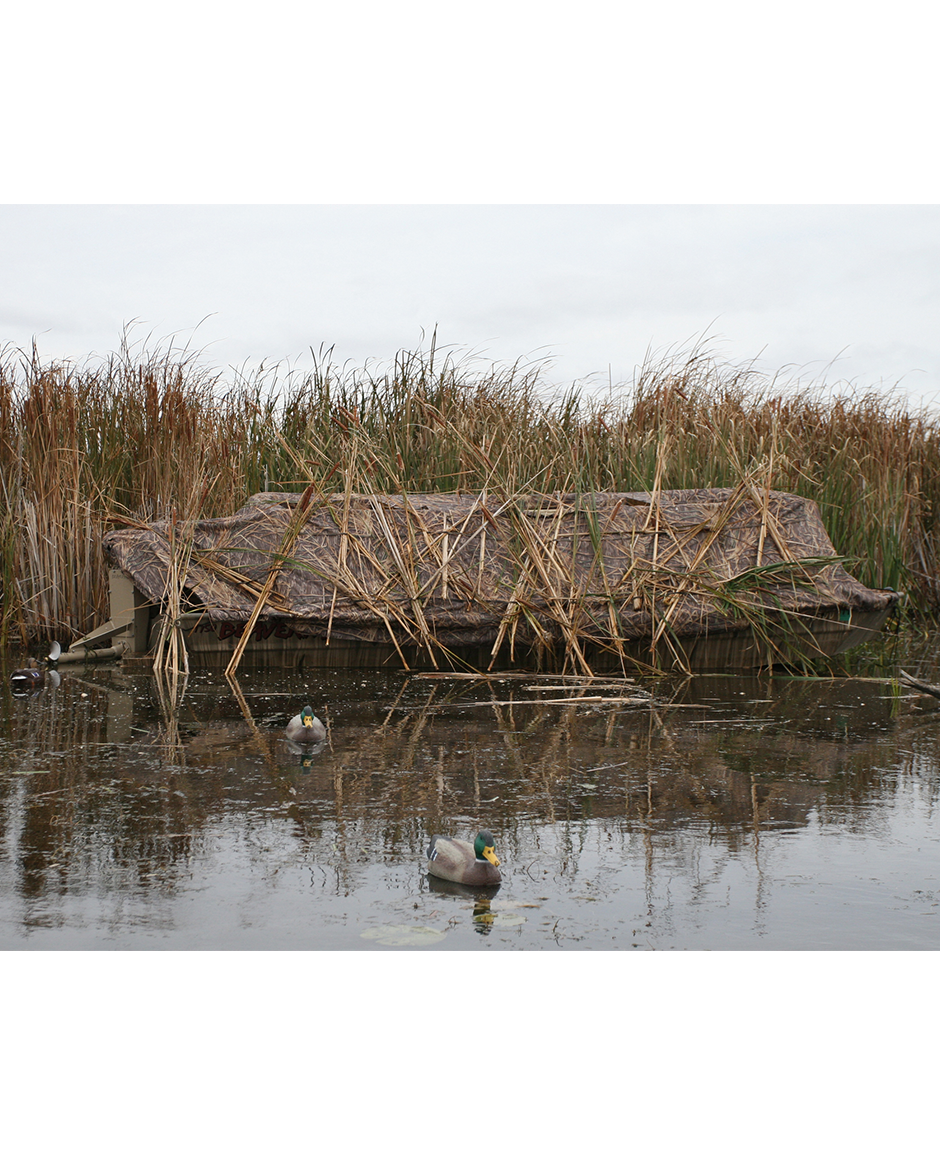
(706, 813)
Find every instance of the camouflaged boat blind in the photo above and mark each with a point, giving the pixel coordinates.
(481, 569)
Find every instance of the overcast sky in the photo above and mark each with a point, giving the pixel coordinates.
(533, 180)
(840, 293)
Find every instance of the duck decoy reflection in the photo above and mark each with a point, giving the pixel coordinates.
(306, 754)
(482, 895)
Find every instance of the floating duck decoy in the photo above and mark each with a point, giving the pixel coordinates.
(32, 676)
(35, 675)
(459, 861)
(305, 728)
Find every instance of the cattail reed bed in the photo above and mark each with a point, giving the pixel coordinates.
(147, 435)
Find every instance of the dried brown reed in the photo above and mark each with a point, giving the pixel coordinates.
(153, 434)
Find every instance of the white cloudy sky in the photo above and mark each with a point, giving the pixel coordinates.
(841, 293)
(534, 181)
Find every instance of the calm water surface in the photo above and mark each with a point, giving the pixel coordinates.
(727, 813)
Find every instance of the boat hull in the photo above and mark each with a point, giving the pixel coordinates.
(211, 645)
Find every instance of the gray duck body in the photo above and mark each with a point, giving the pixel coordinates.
(459, 861)
(305, 728)
(33, 676)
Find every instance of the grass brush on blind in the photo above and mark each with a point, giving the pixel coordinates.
(142, 435)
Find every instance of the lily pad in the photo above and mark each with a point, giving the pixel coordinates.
(404, 935)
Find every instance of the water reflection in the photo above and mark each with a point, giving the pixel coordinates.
(122, 794)
(477, 899)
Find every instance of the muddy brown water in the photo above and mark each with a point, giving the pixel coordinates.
(721, 813)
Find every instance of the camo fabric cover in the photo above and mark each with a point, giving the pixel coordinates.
(461, 567)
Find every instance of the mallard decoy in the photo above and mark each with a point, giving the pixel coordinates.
(33, 675)
(459, 861)
(305, 728)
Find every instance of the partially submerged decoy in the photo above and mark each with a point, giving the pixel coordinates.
(459, 861)
(305, 728)
(34, 674)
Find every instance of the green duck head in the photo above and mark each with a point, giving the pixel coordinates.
(484, 849)
(307, 716)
